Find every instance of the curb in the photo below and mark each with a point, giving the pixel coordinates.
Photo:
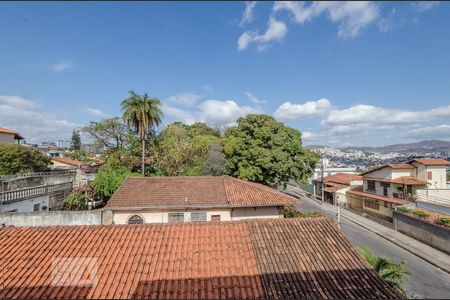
(400, 245)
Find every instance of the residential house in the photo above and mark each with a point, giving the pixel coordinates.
(9, 136)
(34, 192)
(85, 171)
(195, 198)
(389, 185)
(335, 187)
(251, 259)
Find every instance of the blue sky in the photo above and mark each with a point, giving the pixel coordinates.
(343, 73)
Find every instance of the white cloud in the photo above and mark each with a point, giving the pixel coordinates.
(18, 102)
(247, 16)
(179, 114)
(62, 65)
(34, 125)
(432, 132)
(254, 99)
(306, 135)
(368, 114)
(96, 112)
(289, 111)
(217, 112)
(352, 16)
(422, 6)
(276, 31)
(185, 98)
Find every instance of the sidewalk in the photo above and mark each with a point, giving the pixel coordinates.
(427, 253)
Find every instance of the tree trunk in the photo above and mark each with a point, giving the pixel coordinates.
(143, 157)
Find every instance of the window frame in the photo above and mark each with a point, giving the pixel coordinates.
(135, 222)
(202, 213)
(38, 205)
(370, 182)
(171, 214)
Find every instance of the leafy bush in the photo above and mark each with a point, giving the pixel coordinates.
(291, 212)
(443, 221)
(404, 210)
(75, 201)
(420, 213)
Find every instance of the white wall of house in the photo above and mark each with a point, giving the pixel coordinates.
(26, 205)
(7, 138)
(439, 177)
(255, 213)
(384, 173)
(396, 173)
(235, 214)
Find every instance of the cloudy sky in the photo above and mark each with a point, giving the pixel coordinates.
(359, 73)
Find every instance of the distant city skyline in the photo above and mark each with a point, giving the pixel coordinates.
(344, 73)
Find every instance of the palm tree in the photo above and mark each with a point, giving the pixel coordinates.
(142, 114)
(392, 272)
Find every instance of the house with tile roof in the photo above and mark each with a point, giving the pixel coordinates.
(195, 198)
(389, 185)
(250, 259)
(9, 136)
(335, 187)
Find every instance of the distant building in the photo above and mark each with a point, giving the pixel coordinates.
(389, 185)
(328, 171)
(301, 258)
(195, 198)
(9, 136)
(63, 144)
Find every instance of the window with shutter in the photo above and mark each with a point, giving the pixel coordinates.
(135, 220)
(176, 217)
(199, 216)
(430, 175)
(37, 207)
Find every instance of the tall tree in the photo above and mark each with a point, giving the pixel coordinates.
(110, 133)
(141, 113)
(260, 149)
(16, 159)
(76, 140)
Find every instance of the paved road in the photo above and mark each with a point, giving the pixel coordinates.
(425, 280)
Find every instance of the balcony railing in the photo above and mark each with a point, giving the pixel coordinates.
(23, 194)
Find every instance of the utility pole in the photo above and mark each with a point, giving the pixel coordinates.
(339, 216)
(322, 167)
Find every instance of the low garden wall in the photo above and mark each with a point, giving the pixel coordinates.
(53, 218)
(430, 233)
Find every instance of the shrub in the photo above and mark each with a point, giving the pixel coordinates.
(291, 212)
(75, 201)
(443, 221)
(420, 213)
(404, 210)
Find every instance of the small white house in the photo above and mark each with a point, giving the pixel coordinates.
(195, 198)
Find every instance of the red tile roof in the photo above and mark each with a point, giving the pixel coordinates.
(400, 180)
(269, 258)
(341, 178)
(67, 161)
(392, 166)
(359, 192)
(195, 192)
(17, 136)
(432, 161)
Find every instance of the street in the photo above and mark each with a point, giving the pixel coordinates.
(424, 281)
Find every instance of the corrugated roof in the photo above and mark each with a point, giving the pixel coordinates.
(359, 192)
(195, 191)
(269, 258)
(341, 178)
(432, 161)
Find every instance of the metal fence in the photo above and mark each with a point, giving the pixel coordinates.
(36, 174)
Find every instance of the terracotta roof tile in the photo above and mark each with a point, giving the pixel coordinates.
(17, 135)
(341, 178)
(359, 192)
(194, 191)
(67, 161)
(432, 161)
(295, 258)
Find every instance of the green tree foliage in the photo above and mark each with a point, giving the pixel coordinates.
(76, 140)
(141, 113)
(75, 201)
(111, 176)
(78, 155)
(394, 273)
(180, 152)
(111, 133)
(292, 212)
(200, 128)
(16, 159)
(260, 149)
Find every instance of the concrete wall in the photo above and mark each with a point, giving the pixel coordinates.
(396, 173)
(52, 218)
(121, 217)
(432, 235)
(26, 206)
(384, 173)
(7, 138)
